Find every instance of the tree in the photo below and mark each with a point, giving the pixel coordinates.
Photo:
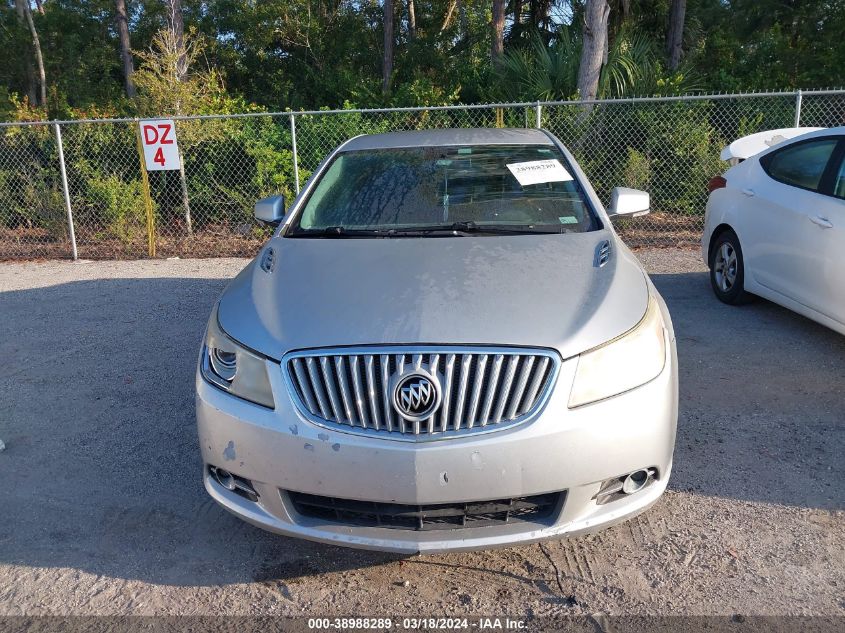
(412, 20)
(25, 15)
(594, 48)
(450, 12)
(177, 26)
(549, 72)
(168, 88)
(675, 36)
(39, 59)
(498, 24)
(313, 53)
(387, 62)
(122, 23)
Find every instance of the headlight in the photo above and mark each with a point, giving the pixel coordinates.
(626, 362)
(234, 368)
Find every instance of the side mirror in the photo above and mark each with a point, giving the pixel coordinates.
(270, 210)
(628, 202)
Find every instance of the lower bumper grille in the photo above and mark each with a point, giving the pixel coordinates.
(540, 509)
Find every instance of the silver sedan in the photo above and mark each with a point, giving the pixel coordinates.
(444, 346)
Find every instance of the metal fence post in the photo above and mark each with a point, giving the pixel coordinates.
(538, 110)
(798, 99)
(65, 190)
(295, 156)
(148, 198)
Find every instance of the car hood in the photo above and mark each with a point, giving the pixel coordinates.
(522, 290)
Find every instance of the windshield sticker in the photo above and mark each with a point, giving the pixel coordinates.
(535, 172)
(568, 219)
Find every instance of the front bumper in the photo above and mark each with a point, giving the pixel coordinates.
(560, 450)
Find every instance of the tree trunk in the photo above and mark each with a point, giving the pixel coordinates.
(31, 89)
(450, 11)
(544, 8)
(36, 47)
(177, 24)
(675, 36)
(594, 52)
(412, 20)
(387, 64)
(497, 48)
(122, 22)
(186, 203)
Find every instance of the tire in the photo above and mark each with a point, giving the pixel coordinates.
(727, 269)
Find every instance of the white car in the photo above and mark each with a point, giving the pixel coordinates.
(775, 227)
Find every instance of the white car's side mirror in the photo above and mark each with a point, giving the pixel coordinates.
(628, 202)
(270, 210)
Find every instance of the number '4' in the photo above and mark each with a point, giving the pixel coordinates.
(159, 157)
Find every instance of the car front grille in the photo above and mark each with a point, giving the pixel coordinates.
(539, 509)
(476, 389)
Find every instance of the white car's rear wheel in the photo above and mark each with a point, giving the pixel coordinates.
(727, 269)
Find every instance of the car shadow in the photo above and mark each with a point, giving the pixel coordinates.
(102, 471)
(762, 399)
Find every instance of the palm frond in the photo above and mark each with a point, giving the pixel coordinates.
(548, 72)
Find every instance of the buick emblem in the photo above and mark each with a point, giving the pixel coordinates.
(416, 395)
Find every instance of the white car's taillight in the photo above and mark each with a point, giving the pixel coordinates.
(716, 182)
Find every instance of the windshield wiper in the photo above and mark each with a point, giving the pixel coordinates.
(338, 232)
(472, 228)
(455, 229)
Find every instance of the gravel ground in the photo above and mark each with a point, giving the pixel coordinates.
(102, 510)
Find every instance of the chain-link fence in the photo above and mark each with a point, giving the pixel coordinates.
(76, 187)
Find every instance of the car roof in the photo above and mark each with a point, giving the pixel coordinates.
(747, 146)
(825, 131)
(822, 132)
(447, 137)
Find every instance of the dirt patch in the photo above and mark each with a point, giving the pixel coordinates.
(209, 241)
(661, 230)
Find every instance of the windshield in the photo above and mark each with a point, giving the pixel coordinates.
(483, 189)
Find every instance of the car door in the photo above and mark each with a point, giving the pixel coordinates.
(784, 204)
(830, 223)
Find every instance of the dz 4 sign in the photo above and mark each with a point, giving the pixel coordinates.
(158, 136)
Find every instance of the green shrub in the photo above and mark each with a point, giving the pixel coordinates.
(30, 194)
(683, 151)
(120, 205)
(637, 170)
(232, 163)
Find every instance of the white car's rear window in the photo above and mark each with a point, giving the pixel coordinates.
(801, 165)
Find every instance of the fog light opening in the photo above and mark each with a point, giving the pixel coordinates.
(224, 478)
(238, 485)
(625, 485)
(635, 482)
